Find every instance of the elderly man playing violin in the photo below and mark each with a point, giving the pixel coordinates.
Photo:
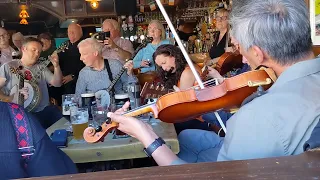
(275, 34)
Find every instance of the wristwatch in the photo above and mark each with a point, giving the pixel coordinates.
(154, 146)
(72, 76)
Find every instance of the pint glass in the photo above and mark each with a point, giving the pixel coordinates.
(79, 121)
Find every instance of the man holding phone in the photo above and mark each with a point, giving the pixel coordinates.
(115, 47)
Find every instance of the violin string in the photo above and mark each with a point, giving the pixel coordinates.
(208, 83)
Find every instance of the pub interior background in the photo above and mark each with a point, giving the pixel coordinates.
(133, 16)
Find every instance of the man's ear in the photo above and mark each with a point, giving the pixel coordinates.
(23, 48)
(258, 54)
(96, 53)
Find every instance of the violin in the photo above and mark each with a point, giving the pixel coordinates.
(184, 105)
(226, 63)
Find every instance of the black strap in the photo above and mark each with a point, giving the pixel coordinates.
(107, 66)
(260, 91)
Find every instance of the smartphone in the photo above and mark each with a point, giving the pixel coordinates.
(107, 34)
(103, 35)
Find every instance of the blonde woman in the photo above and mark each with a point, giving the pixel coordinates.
(143, 59)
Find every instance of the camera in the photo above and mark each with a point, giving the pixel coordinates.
(102, 35)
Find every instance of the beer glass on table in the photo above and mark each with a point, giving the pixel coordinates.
(99, 115)
(79, 121)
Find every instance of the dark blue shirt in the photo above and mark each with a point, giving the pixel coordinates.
(47, 160)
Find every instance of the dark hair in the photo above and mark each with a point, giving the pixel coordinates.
(170, 79)
(181, 22)
(31, 39)
(45, 35)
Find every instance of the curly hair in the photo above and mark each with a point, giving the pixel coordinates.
(168, 78)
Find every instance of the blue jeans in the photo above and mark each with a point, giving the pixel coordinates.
(48, 116)
(212, 119)
(199, 146)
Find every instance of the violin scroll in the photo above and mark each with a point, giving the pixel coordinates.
(92, 135)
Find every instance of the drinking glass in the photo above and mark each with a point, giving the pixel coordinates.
(79, 120)
(99, 115)
(68, 101)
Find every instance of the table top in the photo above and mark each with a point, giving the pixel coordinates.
(111, 148)
(303, 166)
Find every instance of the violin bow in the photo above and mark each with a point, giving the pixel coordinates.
(178, 40)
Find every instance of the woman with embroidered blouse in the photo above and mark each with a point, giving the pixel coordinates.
(143, 59)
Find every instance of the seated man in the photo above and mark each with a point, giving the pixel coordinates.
(277, 123)
(28, 67)
(95, 76)
(46, 160)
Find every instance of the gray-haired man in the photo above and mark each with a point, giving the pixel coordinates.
(95, 76)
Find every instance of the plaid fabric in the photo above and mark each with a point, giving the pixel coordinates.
(23, 132)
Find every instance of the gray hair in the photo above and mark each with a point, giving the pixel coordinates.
(281, 28)
(113, 22)
(17, 35)
(159, 26)
(93, 43)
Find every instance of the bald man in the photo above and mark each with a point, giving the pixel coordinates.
(115, 47)
(70, 63)
(5, 49)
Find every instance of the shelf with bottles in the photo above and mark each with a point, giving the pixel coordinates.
(164, 2)
(147, 17)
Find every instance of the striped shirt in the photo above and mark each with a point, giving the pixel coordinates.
(91, 80)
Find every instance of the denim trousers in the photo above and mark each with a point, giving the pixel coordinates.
(199, 146)
(212, 119)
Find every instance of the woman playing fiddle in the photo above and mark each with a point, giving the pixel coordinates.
(143, 59)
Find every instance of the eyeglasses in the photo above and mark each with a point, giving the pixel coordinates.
(223, 18)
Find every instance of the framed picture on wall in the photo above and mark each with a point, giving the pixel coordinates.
(314, 6)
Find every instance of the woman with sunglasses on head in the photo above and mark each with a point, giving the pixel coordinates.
(143, 59)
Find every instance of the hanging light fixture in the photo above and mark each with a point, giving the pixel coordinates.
(94, 4)
(24, 21)
(24, 14)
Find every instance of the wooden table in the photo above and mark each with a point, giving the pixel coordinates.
(114, 149)
(304, 166)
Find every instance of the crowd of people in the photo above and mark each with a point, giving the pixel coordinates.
(268, 33)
